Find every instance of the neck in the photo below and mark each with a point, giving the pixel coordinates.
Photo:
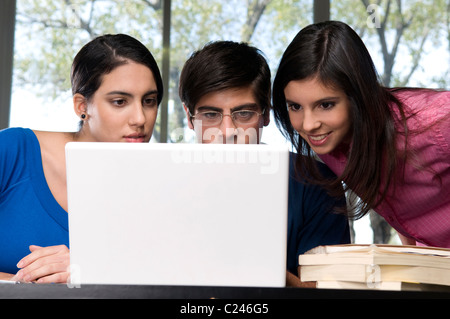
(80, 136)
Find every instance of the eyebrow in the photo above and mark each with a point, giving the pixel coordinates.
(318, 102)
(129, 94)
(326, 99)
(245, 106)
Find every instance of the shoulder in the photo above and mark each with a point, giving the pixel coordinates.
(17, 145)
(323, 168)
(54, 139)
(48, 136)
(427, 112)
(24, 142)
(311, 197)
(11, 135)
(15, 140)
(422, 100)
(420, 94)
(308, 193)
(52, 145)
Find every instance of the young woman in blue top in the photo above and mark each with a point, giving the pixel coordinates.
(117, 88)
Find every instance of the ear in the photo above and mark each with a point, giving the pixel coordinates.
(190, 125)
(79, 104)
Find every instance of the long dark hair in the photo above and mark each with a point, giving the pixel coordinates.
(102, 55)
(335, 54)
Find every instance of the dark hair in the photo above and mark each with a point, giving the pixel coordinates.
(102, 55)
(223, 65)
(334, 54)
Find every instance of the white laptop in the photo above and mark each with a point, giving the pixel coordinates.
(177, 214)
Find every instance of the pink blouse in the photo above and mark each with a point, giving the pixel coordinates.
(420, 207)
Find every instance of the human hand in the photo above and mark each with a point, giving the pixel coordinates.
(6, 276)
(45, 265)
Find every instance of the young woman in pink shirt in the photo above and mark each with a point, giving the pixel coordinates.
(389, 146)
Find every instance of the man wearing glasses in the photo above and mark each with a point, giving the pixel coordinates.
(225, 89)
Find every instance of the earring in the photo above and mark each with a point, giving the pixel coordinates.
(83, 116)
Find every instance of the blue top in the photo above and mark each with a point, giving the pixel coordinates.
(312, 220)
(29, 214)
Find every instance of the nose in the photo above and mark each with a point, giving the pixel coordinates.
(228, 129)
(310, 121)
(137, 115)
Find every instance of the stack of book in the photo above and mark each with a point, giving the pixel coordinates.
(384, 267)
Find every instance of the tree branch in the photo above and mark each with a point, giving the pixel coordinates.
(255, 10)
(84, 25)
(389, 55)
(57, 24)
(156, 4)
(416, 58)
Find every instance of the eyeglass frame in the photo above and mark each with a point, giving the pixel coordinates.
(230, 115)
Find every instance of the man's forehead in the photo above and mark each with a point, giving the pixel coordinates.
(228, 100)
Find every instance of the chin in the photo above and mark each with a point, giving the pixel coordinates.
(321, 150)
